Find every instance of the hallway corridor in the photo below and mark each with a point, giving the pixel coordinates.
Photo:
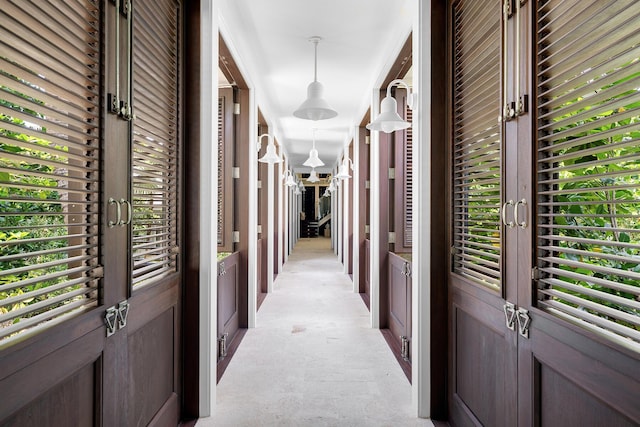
(313, 359)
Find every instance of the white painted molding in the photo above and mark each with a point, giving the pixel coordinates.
(421, 266)
(374, 215)
(208, 208)
(280, 214)
(252, 256)
(356, 211)
(268, 235)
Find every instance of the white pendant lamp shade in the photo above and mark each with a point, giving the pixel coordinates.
(313, 176)
(313, 161)
(315, 107)
(270, 156)
(389, 120)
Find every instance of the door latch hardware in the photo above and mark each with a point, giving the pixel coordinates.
(404, 350)
(509, 224)
(509, 315)
(407, 269)
(112, 224)
(524, 321)
(110, 319)
(522, 224)
(123, 313)
(221, 270)
(222, 345)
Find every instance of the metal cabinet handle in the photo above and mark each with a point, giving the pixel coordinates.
(118, 220)
(509, 315)
(129, 212)
(522, 224)
(509, 224)
(524, 321)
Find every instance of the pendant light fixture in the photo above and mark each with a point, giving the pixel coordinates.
(270, 156)
(313, 161)
(315, 107)
(313, 176)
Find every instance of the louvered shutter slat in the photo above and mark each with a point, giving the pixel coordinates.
(588, 165)
(49, 162)
(477, 142)
(156, 141)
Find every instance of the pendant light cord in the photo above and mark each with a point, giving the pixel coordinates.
(315, 61)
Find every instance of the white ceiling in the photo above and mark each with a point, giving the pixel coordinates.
(269, 40)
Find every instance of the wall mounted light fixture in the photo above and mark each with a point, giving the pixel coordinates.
(288, 178)
(334, 184)
(389, 120)
(315, 107)
(270, 156)
(343, 172)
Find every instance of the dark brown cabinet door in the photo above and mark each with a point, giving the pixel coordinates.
(90, 156)
(543, 283)
(400, 302)
(483, 350)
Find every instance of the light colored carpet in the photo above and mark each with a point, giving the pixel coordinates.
(313, 360)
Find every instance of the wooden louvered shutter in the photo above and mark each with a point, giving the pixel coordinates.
(225, 167)
(588, 166)
(477, 143)
(49, 162)
(403, 215)
(408, 181)
(156, 140)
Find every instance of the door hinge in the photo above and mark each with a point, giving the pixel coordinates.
(236, 108)
(535, 274)
(236, 237)
(235, 172)
(367, 184)
(392, 173)
(259, 184)
(392, 237)
(259, 228)
(366, 229)
(404, 349)
(367, 140)
(222, 345)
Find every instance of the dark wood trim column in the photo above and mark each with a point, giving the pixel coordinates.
(241, 211)
(439, 209)
(191, 215)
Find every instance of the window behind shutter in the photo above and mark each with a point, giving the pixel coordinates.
(408, 181)
(49, 162)
(477, 141)
(588, 169)
(156, 140)
(221, 172)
